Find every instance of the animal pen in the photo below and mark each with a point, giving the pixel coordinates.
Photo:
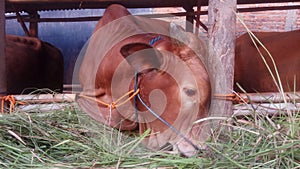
(221, 41)
(220, 28)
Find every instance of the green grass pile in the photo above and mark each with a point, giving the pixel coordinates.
(70, 139)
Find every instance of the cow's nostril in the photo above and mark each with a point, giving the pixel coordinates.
(101, 94)
(189, 92)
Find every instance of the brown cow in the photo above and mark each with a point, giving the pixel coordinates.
(32, 64)
(172, 79)
(250, 70)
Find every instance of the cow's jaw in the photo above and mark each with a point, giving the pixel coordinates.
(183, 105)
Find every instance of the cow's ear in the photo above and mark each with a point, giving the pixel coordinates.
(141, 56)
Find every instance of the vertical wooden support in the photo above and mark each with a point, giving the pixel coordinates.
(33, 25)
(221, 47)
(3, 82)
(198, 16)
(198, 21)
(189, 19)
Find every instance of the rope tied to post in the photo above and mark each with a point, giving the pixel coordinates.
(234, 97)
(12, 103)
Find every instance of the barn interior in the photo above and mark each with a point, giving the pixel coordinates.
(59, 22)
(68, 24)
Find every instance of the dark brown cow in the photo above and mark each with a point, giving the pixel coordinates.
(172, 79)
(32, 64)
(251, 72)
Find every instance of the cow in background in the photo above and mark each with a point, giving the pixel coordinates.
(251, 72)
(32, 64)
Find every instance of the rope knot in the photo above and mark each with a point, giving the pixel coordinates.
(116, 103)
(12, 101)
(113, 105)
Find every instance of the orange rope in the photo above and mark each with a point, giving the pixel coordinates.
(12, 103)
(116, 103)
(235, 98)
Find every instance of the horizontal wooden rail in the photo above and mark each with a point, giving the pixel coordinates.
(270, 97)
(263, 103)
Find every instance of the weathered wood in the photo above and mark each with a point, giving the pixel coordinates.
(43, 107)
(267, 97)
(198, 21)
(38, 102)
(3, 83)
(221, 32)
(250, 97)
(265, 109)
(22, 23)
(33, 26)
(45, 98)
(260, 103)
(189, 18)
(96, 18)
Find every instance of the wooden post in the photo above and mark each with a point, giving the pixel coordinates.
(221, 47)
(189, 26)
(33, 25)
(3, 82)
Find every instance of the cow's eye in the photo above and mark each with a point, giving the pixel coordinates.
(189, 91)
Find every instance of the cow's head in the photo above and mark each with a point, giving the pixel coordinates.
(174, 83)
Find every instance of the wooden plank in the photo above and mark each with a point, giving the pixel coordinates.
(261, 103)
(3, 83)
(221, 45)
(271, 97)
(43, 107)
(45, 98)
(96, 18)
(265, 109)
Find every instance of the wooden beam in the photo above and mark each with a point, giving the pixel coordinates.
(96, 18)
(3, 82)
(221, 45)
(264, 109)
(22, 23)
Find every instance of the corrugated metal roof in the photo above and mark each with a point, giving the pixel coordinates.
(40, 5)
(37, 5)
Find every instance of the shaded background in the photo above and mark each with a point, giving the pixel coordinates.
(69, 37)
